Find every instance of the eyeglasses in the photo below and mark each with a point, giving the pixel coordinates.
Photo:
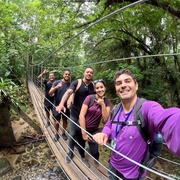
(98, 80)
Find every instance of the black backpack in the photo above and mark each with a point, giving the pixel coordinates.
(155, 149)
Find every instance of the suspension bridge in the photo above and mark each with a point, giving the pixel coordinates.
(77, 169)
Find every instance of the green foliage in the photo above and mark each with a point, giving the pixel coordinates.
(43, 33)
(17, 94)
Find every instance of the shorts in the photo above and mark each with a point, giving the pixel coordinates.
(57, 116)
(48, 105)
(48, 108)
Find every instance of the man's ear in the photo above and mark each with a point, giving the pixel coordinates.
(136, 86)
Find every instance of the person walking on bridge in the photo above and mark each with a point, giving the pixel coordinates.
(84, 90)
(49, 99)
(96, 107)
(58, 88)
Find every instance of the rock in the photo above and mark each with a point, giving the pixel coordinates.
(5, 166)
(30, 163)
(21, 122)
(19, 150)
(29, 147)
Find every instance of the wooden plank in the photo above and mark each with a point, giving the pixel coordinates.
(76, 169)
(59, 157)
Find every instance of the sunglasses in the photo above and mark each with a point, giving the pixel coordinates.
(98, 80)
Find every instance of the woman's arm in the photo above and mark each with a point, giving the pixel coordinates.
(82, 121)
(105, 109)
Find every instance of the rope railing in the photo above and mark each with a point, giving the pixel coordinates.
(165, 159)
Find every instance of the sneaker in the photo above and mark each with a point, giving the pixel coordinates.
(69, 157)
(47, 124)
(85, 161)
(64, 137)
(56, 138)
(96, 163)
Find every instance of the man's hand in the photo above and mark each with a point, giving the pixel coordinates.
(100, 138)
(45, 71)
(59, 85)
(60, 108)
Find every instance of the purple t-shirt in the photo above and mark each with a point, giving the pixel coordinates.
(130, 142)
(94, 113)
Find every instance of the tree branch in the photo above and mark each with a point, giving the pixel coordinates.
(166, 6)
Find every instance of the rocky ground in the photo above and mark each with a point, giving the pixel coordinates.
(32, 160)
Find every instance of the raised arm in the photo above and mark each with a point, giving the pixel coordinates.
(105, 109)
(166, 121)
(105, 112)
(40, 77)
(55, 87)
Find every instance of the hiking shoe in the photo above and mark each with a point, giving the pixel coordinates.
(69, 157)
(85, 161)
(47, 124)
(96, 163)
(56, 138)
(64, 137)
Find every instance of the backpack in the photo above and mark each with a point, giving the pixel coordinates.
(93, 99)
(155, 148)
(70, 100)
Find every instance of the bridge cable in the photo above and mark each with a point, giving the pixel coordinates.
(151, 170)
(96, 22)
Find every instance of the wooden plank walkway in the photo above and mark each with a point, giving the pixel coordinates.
(76, 169)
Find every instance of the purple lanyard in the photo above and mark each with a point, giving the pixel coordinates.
(121, 109)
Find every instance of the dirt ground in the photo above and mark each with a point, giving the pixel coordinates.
(21, 130)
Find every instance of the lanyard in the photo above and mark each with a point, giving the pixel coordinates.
(120, 111)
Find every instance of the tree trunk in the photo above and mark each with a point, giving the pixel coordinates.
(6, 131)
(26, 118)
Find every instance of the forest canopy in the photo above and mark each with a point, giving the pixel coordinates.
(38, 34)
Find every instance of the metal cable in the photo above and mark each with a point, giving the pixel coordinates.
(176, 163)
(119, 59)
(157, 173)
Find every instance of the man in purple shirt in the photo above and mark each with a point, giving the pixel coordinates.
(127, 139)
